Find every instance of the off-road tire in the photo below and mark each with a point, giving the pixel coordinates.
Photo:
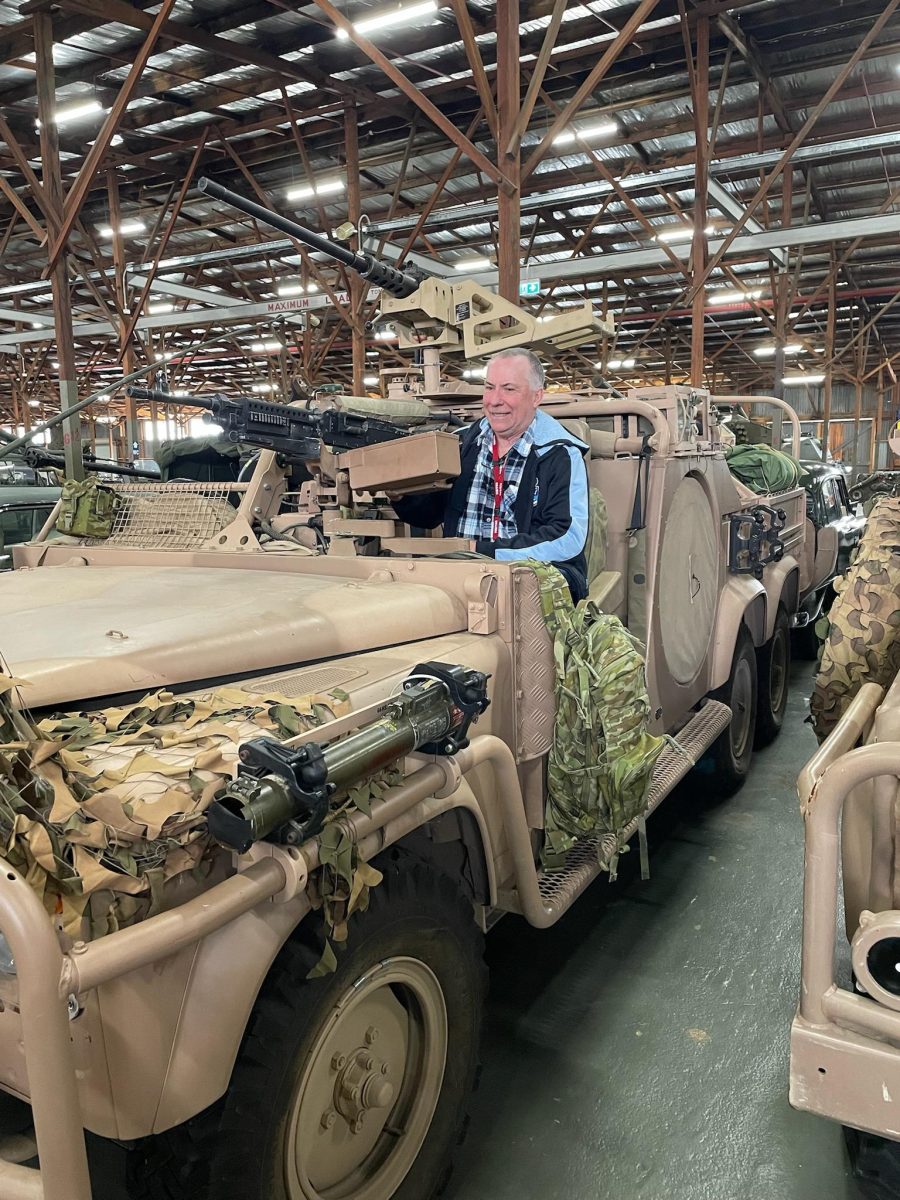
(731, 753)
(773, 670)
(236, 1148)
(875, 1162)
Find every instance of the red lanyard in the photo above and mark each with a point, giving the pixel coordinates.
(498, 470)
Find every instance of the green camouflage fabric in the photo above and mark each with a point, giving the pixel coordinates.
(763, 468)
(598, 521)
(863, 635)
(602, 754)
(87, 508)
(102, 810)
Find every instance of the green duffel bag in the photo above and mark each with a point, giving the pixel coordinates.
(87, 508)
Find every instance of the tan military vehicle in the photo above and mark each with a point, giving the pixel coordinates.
(845, 1038)
(273, 765)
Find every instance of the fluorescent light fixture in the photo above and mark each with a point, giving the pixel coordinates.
(181, 395)
(791, 380)
(472, 264)
(734, 297)
(107, 419)
(34, 403)
(385, 335)
(681, 233)
(259, 388)
(603, 129)
(155, 309)
(127, 228)
(475, 373)
(370, 380)
(265, 347)
(769, 351)
(311, 287)
(290, 289)
(116, 140)
(55, 364)
(37, 325)
(393, 16)
(621, 364)
(371, 354)
(76, 112)
(325, 188)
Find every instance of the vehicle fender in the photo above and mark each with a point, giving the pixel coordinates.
(230, 966)
(782, 583)
(743, 599)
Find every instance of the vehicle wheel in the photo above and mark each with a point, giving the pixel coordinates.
(354, 1085)
(875, 1162)
(732, 751)
(773, 669)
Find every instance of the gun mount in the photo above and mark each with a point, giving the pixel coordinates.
(457, 316)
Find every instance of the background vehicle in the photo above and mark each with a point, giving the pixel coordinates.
(214, 1014)
(23, 513)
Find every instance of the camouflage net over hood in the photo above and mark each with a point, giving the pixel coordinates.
(100, 810)
(863, 643)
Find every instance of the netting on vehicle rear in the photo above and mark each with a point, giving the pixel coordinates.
(171, 516)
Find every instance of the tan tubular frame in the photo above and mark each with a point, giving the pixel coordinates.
(771, 402)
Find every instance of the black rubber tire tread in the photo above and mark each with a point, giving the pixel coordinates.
(730, 773)
(769, 719)
(875, 1162)
(232, 1149)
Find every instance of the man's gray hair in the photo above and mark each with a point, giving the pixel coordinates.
(535, 366)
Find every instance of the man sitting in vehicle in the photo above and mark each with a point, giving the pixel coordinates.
(523, 489)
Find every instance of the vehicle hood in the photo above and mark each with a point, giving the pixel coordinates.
(79, 632)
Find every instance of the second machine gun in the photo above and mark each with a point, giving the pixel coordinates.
(294, 434)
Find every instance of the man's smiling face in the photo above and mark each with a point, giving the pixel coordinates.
(510, 398)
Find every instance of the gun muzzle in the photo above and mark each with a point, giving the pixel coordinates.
(379, 273)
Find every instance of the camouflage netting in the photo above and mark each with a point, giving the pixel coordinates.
(863, 642)
(602, 754)
(100, 810)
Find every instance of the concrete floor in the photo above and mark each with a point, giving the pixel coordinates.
(639, 1049)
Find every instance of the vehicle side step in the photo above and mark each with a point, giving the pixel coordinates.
(589, 856)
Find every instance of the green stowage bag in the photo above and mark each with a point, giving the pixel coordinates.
(87, 508)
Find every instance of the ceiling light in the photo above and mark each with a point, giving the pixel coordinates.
(75, 112)
(371, 354)
(259, 388)
(55, 364)
(291, 289)
(116, 140)
(371, 381)
(682, 233)
(798, 379)
(769, 351)
(107, 419)
(126, 228)
(475, 373)
(155, 309)
(34, 403)
(394, 16)
(385, 335)
(734, 297)
(604, 129)
(325, 188)
(265, 347)
(472, 264)
(621, 364)
(312, 287)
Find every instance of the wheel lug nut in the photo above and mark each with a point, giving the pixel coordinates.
(337, 1062)
(371, 1035)
(356, 1126)
(354, 1094)
(370, 1063)
(328, 1118)
(385, 1069)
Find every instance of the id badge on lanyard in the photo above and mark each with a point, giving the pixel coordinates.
(498, 472)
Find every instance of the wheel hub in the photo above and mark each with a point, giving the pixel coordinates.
(362, 1084)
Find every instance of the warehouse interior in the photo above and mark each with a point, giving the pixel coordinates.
(714, 185)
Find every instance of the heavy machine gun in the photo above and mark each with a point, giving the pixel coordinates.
(455, 316)
(294, 434)
(41, 459)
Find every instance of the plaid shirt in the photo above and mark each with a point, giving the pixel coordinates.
(478, 516)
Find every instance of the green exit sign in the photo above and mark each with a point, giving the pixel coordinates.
(531, 287)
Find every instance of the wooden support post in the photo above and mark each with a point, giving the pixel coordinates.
(857, 419)
(829, 367)
(354, 212)
(700, 81)
(508, 104)
(53, 197)
(126, 346)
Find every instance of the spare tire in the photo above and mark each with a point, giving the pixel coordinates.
(863, 644)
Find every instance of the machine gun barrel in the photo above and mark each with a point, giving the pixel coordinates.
(380, 274)
(37, 457)
(156, 396)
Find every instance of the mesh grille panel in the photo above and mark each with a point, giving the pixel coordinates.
(171, 516)
(318, 679)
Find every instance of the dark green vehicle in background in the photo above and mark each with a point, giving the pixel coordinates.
(23, 510)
